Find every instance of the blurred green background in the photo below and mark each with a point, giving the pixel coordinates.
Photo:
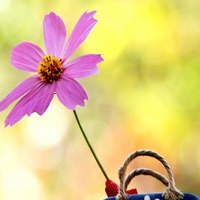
(146, 96)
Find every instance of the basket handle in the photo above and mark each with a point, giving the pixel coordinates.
(148, 172)
(171, 192)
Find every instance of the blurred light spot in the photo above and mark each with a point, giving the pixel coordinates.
(50, 128)
(4, 4)
(20, 183)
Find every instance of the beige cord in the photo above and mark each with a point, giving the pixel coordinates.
(145, 171)
(171, 192)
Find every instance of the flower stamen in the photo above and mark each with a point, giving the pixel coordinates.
(50, 69)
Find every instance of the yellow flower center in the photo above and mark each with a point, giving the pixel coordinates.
(50, 69)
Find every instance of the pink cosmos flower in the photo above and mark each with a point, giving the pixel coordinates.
(55, 75)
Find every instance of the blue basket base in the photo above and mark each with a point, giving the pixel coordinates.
(155, 196)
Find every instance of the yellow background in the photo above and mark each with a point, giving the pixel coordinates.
(146, 96)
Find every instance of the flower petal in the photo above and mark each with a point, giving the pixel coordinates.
(70, 92)
(83, 66)
(54, 34)
(42, 100)
(80, 32)
(20, 90)
(26, 56)
(36, 100)
(17, 112)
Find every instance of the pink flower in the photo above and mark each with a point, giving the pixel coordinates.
(54, 74)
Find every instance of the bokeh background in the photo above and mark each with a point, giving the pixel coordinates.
(146, 96)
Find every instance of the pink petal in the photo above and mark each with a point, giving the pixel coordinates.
(80, 32)
(42, 99)
(17, 112)
(26, 56)
(70, 92)
(54, 34)
(20, 90)
(83, 66)
(36, 100)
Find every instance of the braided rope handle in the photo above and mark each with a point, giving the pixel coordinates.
(148, 172)
(171, 192)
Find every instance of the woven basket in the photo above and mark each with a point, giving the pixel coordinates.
(171, 192)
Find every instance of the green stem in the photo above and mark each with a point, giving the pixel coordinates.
(89, 145)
